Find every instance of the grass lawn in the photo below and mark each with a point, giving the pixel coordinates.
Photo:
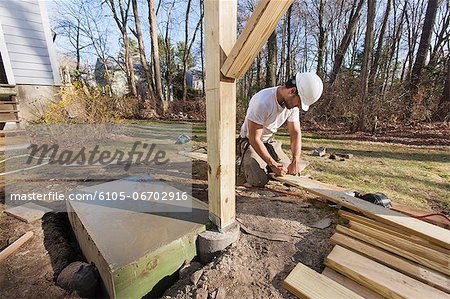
(416, 176)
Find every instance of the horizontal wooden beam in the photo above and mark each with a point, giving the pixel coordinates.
(259, 27)
(430, 232)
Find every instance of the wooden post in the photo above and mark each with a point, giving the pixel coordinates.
(220, 37)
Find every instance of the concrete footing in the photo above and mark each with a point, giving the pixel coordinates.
(211, 242)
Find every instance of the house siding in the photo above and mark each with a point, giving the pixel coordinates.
(26, 41)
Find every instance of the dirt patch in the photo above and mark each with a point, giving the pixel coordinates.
(256, 267)
(31, 272)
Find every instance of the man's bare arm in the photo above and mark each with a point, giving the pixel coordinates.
(255, 132)
(296, 147)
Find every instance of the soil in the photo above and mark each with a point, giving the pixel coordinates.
(252, 268)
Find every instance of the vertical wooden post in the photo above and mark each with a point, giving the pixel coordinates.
(220, 37)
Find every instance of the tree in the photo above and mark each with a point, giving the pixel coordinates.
(271, 62)
(345, 42)
(143, 58)
(365, 105)
(155, 55)
(122, 22)
(424, 44)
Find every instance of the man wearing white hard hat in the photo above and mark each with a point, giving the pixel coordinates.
(268, 110)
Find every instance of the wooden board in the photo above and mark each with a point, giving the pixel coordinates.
(220, 36)
(263, 21)
(392, 231)
(419, 272)
(435, 219)
(394, 249)
(350, 284)
(379, 278)
(307, 283)
(411, 225)
(399, 242)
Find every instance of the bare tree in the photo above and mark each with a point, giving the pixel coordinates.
(425, 41)
(122, 22)
(365, 106)
(271, 62)
(345, 42)
(155, 55)
(142, 56)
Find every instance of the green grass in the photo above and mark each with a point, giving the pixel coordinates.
(416, 176)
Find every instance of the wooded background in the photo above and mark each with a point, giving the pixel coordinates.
(382, 62)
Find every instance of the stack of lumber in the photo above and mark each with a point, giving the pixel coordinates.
(376, 260)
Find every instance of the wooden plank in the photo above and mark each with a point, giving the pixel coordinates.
(220, 36)
(399, 242)
(195, 155)
(350, 284)
(307, 283)
(381, 279)
(394, 249)
(433, 233)
(419, 272)
(393, 231)
(259, 27)
(14, 246)
(434, 219)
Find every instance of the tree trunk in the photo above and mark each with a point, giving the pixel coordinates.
(443, 108)
(376, 57)
(202, 56)
(142, 56)
(271, 64)
(345, 42)
(322, 41)
(167, 42)
(159, 104)
(288, 45)
(424, 44)
(185, 52)
(122, 24)
(365, 104)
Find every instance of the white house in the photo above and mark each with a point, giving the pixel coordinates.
(28, 65)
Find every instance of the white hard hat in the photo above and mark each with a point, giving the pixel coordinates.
(309, 88)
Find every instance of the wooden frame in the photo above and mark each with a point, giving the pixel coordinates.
(227, 59)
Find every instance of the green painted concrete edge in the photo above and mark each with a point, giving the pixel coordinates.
(138, 278)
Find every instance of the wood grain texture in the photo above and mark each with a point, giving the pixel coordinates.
(379, 278)
(394, 249)
(351, 285)
(392, 230)
(417, 249)
(220, 36)
(433, 233)
(263, 21)
(414, 270)
(307, 283)
(15, 245)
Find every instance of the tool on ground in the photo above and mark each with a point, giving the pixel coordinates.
(378, 198)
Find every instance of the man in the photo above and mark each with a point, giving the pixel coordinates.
(268, 110)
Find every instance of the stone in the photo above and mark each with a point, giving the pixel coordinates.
(322, 224)
(211, 242)
(80, 277)
(195, 277)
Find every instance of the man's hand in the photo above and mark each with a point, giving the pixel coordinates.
(294, 168)
(278, 168)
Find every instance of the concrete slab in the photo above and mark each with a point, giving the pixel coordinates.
(28, 212)
(133, 247)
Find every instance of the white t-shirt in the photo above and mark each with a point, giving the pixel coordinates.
(264, 110)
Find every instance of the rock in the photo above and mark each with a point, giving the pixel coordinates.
(322, 224)
(320, 151)
(79, 277)
(201, 294)
(195, 277)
